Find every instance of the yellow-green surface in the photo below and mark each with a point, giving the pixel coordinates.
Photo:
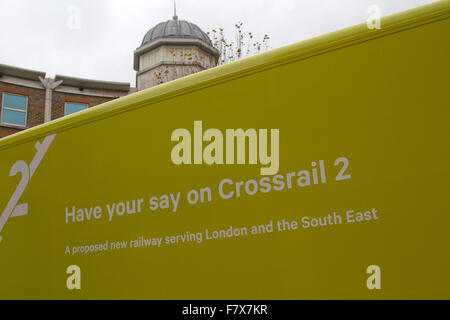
(380, 98)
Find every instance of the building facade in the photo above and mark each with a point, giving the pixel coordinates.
(28, 98)
(170, 50)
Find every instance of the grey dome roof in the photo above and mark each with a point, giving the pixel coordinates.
(175, 29)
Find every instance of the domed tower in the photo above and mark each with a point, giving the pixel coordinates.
(171, 50)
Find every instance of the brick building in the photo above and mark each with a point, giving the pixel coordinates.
(28, 98)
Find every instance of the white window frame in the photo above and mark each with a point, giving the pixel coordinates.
(81, 104)
(17, 110)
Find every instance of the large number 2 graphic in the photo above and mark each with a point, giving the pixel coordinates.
(12, 208)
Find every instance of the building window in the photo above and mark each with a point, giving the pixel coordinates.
(74, 107)
(14, 109)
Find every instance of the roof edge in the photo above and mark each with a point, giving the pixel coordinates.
(93, 84)
(20, 72)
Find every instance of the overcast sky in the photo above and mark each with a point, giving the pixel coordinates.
(44, 35)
